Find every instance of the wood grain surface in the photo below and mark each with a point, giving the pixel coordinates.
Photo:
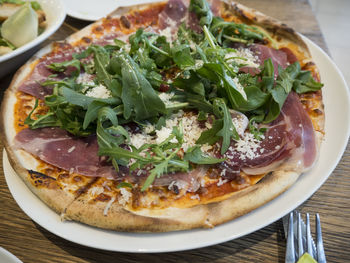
(31, 243)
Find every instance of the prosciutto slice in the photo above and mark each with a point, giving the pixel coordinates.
(80, 155)
(57, 147)
(40, 73)
(278, 57)
(173, 14)
(289, 139)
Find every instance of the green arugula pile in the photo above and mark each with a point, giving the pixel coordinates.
(194, 68)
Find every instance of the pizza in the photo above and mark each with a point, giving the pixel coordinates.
(165, 116)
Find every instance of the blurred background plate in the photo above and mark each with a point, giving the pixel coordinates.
(92, 10)
(55, 15)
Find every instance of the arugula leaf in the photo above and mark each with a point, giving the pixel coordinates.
(195, 155)
(255, 99)
(84, 101)
(62, 66)
(182, 56)
(46, 120)
(258, 133)
(101, 60)
(232, 31)
(228, 130)
(279, 92)
(222, 127)
(92, 112)
(157, 171)
(202, 10)
(119, 153)
(202, 116)
(306, 83)
(124, 185)
(210, 136)
(157, 46)
(138, 96)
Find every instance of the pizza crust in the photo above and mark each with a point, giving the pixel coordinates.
(174, 219)
(80, 208)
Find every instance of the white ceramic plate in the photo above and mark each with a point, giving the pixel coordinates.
(337, 133)
(92, 10)
(7, 257)
(55, 14)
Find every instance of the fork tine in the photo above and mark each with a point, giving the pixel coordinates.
(321, 257)
(300, 238)
(308, 236)
(290, 256)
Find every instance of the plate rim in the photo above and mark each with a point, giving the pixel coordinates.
(93, 17)
(201, 244)
(9, 255)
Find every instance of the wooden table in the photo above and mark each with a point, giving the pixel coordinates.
(31, 243)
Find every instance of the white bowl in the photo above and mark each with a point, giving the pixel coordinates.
(55, 15)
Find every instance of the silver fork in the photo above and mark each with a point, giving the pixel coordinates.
(304, 240)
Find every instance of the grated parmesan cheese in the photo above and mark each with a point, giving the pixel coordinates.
(248, 146)
(190, 126)
(250, 60)
(239, 87)
(71, 149)
(100, 92)
(221, 182)
(195, 197)
(167, 32)
(125, 196)
(108, 206)
(96, 190)
(240, 121)
(138, 139)
(85, 78)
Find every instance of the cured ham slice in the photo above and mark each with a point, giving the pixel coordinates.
(80, 155)
(289, 139)
(278, 57)
(173, 14)
(55, 146)
(40, 73)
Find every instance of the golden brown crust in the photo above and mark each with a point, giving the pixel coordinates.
(209, 215)
(109, 213)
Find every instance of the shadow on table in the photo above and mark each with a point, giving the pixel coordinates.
(230, 251)
(4, 84)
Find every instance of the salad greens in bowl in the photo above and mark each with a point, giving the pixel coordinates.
(23, 26)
